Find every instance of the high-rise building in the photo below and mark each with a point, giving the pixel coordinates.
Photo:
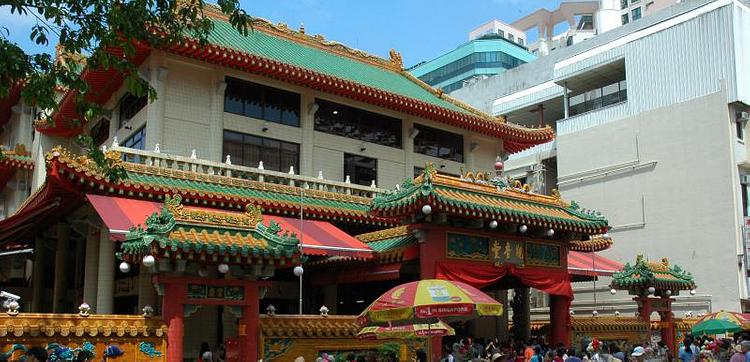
(491, 49)
(651, 121)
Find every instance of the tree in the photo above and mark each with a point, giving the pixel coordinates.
(104, 32)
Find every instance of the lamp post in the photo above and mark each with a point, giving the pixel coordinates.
(298, 271)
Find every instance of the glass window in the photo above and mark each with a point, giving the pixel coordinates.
(437, 143)
(137, 141)
(597, 98)
(100, 132)
(625, 19)
(623, 4)
(361, 170)
(511, 37)
(350, 122)
(740, 129)
(130, 105)
(636, 13)
(262, 102)
(249, 150)
(520, 41)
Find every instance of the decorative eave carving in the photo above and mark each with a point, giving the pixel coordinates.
(64, 325)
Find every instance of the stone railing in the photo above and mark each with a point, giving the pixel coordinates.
(194, 164)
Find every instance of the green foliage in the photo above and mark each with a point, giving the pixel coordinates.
(110, 167)
(105, 33)
(387, 349)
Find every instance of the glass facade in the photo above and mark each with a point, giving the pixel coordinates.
(438, 143)
(262, 102)
(249, 150)
(623, 4)
(130, 105)
(625, 19)
(469, 63)
(598, 98)
(361, 170)
(350, 122)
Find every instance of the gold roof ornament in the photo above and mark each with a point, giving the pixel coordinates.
(395, 59)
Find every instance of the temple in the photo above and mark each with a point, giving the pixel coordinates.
(249, 245)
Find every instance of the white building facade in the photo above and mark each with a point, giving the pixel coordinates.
(651, 122)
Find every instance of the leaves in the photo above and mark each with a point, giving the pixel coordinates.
(98, 34)
(110, 167)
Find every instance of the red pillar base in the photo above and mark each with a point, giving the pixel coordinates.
(174, 316)
(249, 329)
(559, 316)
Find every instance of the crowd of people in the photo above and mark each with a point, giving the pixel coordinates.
(700, 349)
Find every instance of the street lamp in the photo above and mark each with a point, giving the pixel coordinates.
(298, 271)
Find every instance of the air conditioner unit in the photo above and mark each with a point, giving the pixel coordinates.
(745, 179)
(743, 116)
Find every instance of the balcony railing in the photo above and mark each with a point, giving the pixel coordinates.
(194, 164)
(592, 118)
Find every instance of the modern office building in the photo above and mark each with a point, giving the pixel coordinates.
(651, 122)
(491, 49)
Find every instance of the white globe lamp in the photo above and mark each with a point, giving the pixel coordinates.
(149, 261)
(223, 268)
(124, 267)
(298, 271)
(427, 209)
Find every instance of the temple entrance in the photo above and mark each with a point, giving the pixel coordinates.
(216, 325)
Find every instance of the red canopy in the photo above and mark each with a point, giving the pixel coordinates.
(548, 280)
(319, 237)
(120, 214)
(323, 238)
(591, 264)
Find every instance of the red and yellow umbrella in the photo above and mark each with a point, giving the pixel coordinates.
(427, 300)
(438, 329)
(740, 319)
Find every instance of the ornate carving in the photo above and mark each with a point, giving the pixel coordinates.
(395, 59)
(50, 325)
(384, 234)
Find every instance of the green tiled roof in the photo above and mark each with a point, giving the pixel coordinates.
(266, 45)
(382, 246)
(200, 231)
(660, 275)
(485, 198)
(242, 192)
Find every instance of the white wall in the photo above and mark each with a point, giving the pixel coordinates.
(686, 178)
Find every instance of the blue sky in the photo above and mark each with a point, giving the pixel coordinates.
(419, 29)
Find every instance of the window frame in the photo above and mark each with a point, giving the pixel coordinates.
(358, 124)
(257, 101)
(131, 104)
(249, 141)
(424, 130)
(351, 170)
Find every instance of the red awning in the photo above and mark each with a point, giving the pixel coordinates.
(322, 238)
(591, 264)
(319, 237)
(120, 214)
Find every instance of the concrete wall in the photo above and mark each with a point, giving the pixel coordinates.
(682, 185)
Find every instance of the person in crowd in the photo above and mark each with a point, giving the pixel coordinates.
(36, 354)
(688, 352)
(84, 356)
(572, 356)
(350, 357)
(745, 345)
(528, 352)
(421, 356)
(448, 354)
(205, 354)
(638, 354)
(537, 356)
(738, 355)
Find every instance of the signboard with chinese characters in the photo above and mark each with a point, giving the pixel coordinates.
(473, 247)
(542, 254)
(201, 291)
(507, 252)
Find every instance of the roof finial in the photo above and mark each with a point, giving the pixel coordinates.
(291, 170)
(260, 165)
(320, 174)
(193, 154)
(395, 59)
(348, 180)
(228, 161)
(156, 148)
(302, 28)
(115, 142)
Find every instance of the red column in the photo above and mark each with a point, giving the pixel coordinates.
(667, 329)
(249, 330)
(559, 316)
(644, 308)
(174, 314)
